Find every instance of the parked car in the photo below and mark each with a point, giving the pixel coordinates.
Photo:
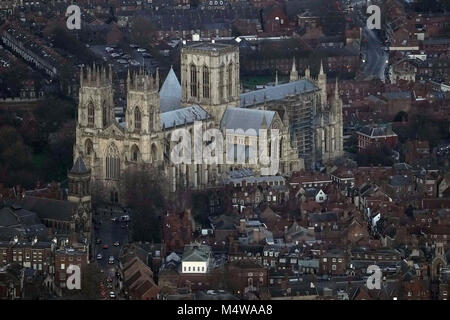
(99, 256)
(111, 260)
(116, 244)
(105, 246)
(112, 295)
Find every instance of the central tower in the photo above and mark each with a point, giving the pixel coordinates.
(210, 77)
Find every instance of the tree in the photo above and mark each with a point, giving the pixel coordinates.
(145, 189)
(142, 32)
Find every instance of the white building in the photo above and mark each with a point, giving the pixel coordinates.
(196, 258)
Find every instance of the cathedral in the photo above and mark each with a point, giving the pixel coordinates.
(310, 127)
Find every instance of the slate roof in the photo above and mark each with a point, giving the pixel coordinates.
(323, 217)
(79, 167)
(196, 253)
(238, 118)
(377, 131)
(170, 93)
(183, 116)
(16, 216)
(277, 92)
(49, 208)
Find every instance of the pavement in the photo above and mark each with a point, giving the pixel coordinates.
(109, 232)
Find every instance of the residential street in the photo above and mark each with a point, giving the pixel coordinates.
(110, 232)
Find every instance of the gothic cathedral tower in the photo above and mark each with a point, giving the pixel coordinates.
(95, 111)
(210, 77)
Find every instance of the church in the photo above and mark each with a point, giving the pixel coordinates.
(310, 127)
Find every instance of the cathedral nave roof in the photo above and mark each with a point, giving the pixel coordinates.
(183, 116)
(240, 118)
(278, 92)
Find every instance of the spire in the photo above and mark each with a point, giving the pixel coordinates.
(321, 68)
(79, 167)
(336, 90)
(128, 79)
(89, 74)
(307, 73)
(294, 74)
(81, 76)
(157, 79)
(264, 122)
(276, 78)
(110, 73)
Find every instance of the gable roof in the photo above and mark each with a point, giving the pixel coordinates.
(170, 93)
(196, 252)
(183, 116)
(239, 118)
(277, 92)
(49, 208)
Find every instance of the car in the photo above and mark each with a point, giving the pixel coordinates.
(111, 260)
(141, 50)
(113, 219)
(116, 244)
(99, 256)
(112, 295)
(98, 241)
(105, 246)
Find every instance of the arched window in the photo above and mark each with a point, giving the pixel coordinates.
(105, 115)
(221, 82)
(247, 149)
(281, 148)
(91, 114)
(135, 154)
(151, 121)
(205, 82)
(137, 119)
(112, 163)
(88, 147)
(230, 80)
(193, 80)
(154, 153)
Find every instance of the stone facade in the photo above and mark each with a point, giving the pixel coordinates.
(210, 98)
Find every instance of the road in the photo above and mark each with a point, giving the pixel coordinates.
(109, 232)
(376, 59)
